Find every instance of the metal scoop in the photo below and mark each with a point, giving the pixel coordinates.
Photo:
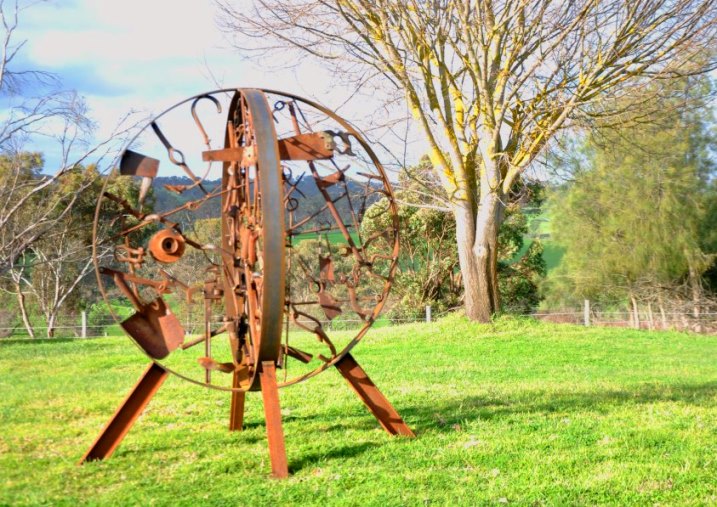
(154, 327)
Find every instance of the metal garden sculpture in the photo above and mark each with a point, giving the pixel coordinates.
(289, 170)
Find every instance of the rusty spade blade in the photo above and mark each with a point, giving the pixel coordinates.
(326, 267)
(156, 329)
(137, 164)
(210, 364)
(329, 305)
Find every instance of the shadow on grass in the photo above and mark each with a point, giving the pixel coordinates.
(444, 416)
(139, 450)
(344, 452)
(361, 420)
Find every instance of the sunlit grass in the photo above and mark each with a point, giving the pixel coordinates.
(519, 412)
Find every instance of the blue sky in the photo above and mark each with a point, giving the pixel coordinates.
(143, 55)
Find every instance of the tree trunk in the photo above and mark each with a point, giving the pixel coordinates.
(23, 311)
(51, 325)
(696, 289)
(477, 238)
(663, 317)
(635, 312)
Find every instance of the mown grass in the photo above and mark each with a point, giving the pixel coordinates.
(516, 412)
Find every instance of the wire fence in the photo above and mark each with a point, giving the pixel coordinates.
(83, 326)
(77, 326)
(675, 321)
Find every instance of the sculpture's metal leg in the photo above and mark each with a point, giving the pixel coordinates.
(126, 414)
(376, 402)
(272, 412)
(236, 417)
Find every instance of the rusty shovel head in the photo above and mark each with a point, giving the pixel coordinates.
(329, 305)
(156, 329)
(136, 164)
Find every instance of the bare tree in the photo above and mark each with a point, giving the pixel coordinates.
(490, 83)
(30, 201)
(60, 265)
(19, 282)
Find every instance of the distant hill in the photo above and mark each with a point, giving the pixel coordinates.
(165, 199)
(307, 193)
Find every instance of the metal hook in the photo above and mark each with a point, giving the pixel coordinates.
(177, 158)
(196, 117)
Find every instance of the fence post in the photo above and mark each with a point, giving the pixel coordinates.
(84, 324)
(428, 313)
(586, 313)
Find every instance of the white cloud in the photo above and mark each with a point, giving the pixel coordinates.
(148, 54)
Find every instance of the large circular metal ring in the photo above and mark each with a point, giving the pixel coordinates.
(297, 233)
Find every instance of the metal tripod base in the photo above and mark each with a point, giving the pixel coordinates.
(374, 400)
(127, 413)
(272, 413)
(155, 375)
(236, 415)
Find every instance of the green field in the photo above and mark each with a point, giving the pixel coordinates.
(517, 412)
(539, 227)
(334, 237)
(552, 254)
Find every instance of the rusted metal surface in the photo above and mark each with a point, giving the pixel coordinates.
(153, 326)
(126, 414)
(236, 413)
(271, 223)
(155, 329)
(136, 164)
(374, 400)
(277, 146)
(313, 146)
(167, 246)
(290, 171)
(272, 414)
(299, 355)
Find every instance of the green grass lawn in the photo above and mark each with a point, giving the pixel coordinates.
(517, 412)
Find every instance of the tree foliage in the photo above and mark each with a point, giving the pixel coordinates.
(489, 84)
(637, 220)
(520, 273)
(50, 275)
(37, 104)
(428, 271)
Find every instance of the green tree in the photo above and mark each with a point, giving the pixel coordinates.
(51, 272)
(35, 103)
(61, 259)
(634, 221)
(488, 84)
(428, 272)
(520, 273)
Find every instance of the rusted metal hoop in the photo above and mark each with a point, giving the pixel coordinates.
(273, 228)
(271, 346)
(268, 184)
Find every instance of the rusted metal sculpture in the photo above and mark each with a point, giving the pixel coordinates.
(290, 171)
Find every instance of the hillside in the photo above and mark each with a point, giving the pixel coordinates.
(311, 200)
